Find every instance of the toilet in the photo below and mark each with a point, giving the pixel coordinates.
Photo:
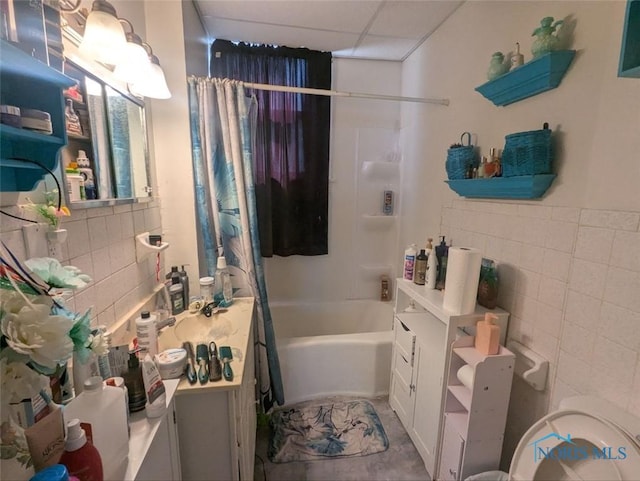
(586, 439)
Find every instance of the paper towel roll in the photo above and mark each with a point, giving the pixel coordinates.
(461, 284)
(465, 376)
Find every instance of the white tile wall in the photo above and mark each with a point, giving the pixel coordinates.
(101, 243)
(571, 279)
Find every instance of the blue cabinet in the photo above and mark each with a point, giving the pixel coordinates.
(25, 82)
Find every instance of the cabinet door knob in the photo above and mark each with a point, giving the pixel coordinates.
(453, 473)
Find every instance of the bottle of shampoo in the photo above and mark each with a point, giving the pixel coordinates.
(432, 265)
(488, 335)
(81, 458)
(409, 262)
(419, 276)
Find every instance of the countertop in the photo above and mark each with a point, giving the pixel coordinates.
(227, 328)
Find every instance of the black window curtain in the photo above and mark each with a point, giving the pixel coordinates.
(291, 151)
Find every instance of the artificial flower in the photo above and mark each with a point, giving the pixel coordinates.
(57, 275)
(34, 332)
(38, 336)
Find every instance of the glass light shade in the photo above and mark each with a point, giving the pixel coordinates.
(155, 85)
(104, 38)
(134, 65)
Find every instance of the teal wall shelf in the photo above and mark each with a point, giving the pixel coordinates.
(26, 82)
(534, 77)
(629, 65)
(519, 187)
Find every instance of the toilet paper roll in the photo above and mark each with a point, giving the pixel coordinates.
(465, 376)
(461, 284)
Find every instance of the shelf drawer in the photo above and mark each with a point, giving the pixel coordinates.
(405, 338)
(402, 365)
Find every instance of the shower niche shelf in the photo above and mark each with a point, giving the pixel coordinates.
(518, 187)
(534, 77)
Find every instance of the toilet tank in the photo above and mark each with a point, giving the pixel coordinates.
(605, 410)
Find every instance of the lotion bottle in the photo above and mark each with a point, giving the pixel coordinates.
(154, 388)
(146, 333)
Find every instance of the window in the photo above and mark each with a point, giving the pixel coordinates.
(291, 147)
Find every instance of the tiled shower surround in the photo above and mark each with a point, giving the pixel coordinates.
(570, 278)
(101, 243)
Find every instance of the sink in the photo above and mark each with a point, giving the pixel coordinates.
(198, 329)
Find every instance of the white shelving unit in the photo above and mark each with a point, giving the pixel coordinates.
(421, 363)
(474, 416)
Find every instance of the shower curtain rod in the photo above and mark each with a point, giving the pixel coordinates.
(336, 93)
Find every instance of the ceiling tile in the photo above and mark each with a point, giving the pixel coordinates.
(411, 19)
(285, 36)
(338, 16)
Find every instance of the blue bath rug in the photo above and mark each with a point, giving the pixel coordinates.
(319, 431)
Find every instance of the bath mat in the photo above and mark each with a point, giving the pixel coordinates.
(318, 431)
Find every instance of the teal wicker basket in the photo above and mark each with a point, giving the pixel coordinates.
(460, 159)
(527, 153)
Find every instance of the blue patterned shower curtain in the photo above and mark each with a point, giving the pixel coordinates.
(221, 138)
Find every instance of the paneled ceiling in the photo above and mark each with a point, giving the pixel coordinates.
(381, 30)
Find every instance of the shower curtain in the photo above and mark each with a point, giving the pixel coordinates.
(222, 119)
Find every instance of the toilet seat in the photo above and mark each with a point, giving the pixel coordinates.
(576, 460)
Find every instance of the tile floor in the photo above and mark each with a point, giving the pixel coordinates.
(401, 462)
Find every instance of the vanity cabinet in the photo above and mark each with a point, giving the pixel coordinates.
(217, 421)
(27, 83)
(474, 415)
(421, 358)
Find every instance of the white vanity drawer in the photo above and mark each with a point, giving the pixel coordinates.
(405, 338)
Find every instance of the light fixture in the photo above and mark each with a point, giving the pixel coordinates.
(134, 65)
(104, 39)
(154, 85)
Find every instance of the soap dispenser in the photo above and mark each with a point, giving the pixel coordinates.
(488, 335)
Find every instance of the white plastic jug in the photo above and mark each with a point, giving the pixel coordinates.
(104, 408)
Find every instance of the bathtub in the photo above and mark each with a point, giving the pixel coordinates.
(333, 348)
